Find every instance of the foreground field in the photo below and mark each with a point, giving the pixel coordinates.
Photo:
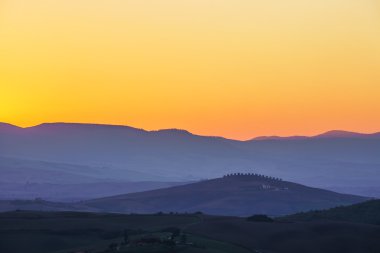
(292, 237)
(72, 232)
(61, 232)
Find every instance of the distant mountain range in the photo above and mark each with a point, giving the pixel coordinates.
(69, 153)
(329, 134)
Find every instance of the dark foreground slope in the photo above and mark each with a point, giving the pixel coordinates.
(239, 195)
(301, 237)
(366, 212)
(68, 232)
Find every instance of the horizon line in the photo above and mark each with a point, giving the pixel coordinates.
(257, 138)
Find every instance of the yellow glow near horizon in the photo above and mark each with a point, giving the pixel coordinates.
(216, 67)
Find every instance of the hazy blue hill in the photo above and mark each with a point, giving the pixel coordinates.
(274, 137)
(366, 212)
(76, 192)
(30, 179)
(328, 134)
(335, 163)
(346, 134)
(15, 170)
(232, 195)
(169, 155)
(5, 127)
(347, 163)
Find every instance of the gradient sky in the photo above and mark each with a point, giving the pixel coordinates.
(235, 68)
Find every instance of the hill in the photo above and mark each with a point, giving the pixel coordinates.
(345, 161)
(329, 134)
(346, 134)
(239, 195)
(366, 212)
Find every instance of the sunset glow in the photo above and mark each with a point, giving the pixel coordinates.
(234, 68)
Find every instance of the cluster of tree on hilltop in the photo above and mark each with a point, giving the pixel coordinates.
(252, 175)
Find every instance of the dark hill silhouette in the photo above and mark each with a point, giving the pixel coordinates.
(240, 195)
(366, 212)
(132, 154)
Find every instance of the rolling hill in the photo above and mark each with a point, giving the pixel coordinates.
(329, 134)
(239, 195)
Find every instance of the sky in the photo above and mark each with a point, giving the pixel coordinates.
(232, 68)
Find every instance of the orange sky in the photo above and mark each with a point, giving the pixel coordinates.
(235, 68)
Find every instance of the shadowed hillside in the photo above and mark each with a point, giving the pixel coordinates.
(366, 212)
(237, 194)
(299, 237)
